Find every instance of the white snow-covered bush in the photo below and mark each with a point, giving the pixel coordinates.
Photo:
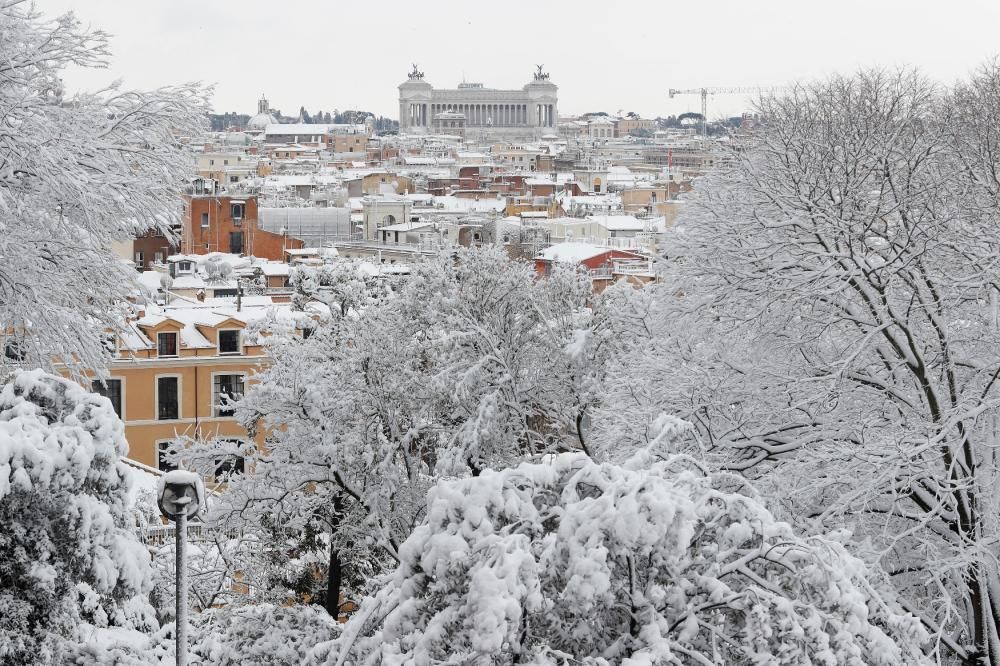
(67, 554)
(260, 635)
(650, 562)
(114, 646)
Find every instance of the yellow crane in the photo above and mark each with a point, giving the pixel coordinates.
(705, 92)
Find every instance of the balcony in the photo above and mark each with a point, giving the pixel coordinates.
(623, 268)
(632, 267)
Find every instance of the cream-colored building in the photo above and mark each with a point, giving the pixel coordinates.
(215, 165)
(625, 126)
(529, 112)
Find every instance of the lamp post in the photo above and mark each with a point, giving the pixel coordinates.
(181, 495)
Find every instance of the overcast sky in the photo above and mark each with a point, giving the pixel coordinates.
(327, 54)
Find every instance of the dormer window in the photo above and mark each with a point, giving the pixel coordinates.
(184, 266)
(229, 341)
(166, 344)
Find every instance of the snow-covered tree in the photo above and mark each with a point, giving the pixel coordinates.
(68, 555)
(651, 562)
(472, 363)
(831, 326)
(342, 286)
(77, 173)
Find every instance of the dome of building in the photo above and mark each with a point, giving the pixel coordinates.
(263, 118)
(260, 122)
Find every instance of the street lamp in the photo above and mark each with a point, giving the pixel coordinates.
(180, 495)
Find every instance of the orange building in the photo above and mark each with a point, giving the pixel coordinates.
(218, 222)
(175, 366)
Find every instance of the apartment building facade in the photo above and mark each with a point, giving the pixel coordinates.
(228, 223)
(173, 377)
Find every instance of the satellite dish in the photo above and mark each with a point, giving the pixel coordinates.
(166, 281)
(212, 268)
(225, 269)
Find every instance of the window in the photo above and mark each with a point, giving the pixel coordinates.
(225, 162)
(14, 350)
(112, 390)
(184, 266)
(166, 344)
(237, 210)
(162, 462)
(110, 343)
(234, 179)
(229, 342)
(226, 388)
(158, 257)
(167, 398)
(139, 259)
(230, 463)
(204, 219)
(229, 466)
(236, 242)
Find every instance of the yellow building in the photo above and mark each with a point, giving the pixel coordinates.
(625, 126)
(349, 143)
(175, 367)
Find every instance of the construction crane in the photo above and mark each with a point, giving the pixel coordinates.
(705, 92)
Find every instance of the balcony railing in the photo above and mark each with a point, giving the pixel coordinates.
(159, 535)
(632, 267)
(621, 267)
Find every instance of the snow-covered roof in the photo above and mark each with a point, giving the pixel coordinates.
(192, 338)
(273, 268)
(619, 222)
(309, 129)
(571, 253)
(405, 226)
(188, 282)
(419, 160)
(133, 338)
(459, 203)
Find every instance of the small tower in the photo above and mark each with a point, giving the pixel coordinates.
(259, 122)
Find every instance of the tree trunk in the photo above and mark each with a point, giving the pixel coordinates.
(333, 583)
(984, 625)
(334, 575)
